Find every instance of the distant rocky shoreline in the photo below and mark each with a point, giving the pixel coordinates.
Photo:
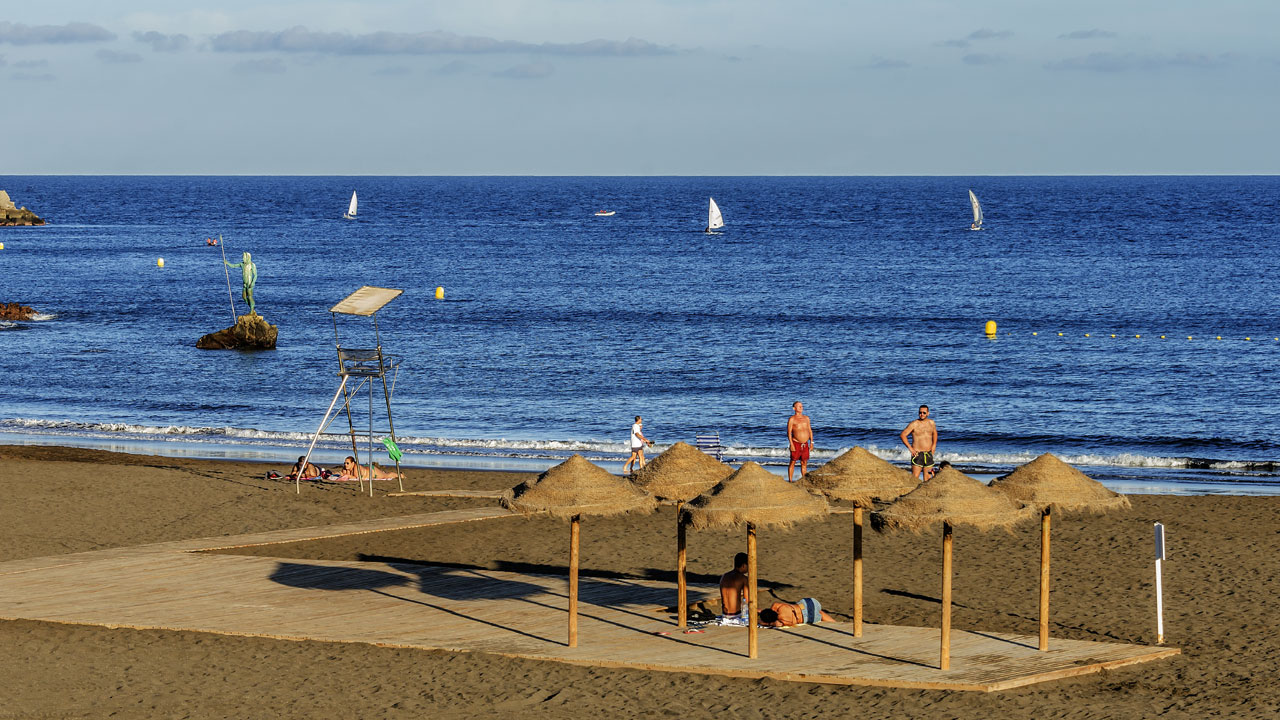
(12, 215)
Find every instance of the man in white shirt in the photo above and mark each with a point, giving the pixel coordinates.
(638, 441)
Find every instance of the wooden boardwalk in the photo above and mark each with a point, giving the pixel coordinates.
(623, 623)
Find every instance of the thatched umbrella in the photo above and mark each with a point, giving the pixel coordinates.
(861, 478)
(570, 490)
(1046, 483)
(951, 498)
(681, 474)
(754, 497)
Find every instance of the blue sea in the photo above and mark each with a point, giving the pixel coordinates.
(1137, 317)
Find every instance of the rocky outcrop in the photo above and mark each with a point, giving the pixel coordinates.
(11, 215)
(251, 332)
(13, 312)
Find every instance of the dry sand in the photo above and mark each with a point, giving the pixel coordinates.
(1223, 559)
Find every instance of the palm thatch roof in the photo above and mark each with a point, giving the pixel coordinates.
(577, 487)
(756, 496)
(681, 473)
(955, 498)
(1048, 481)
(860, 477)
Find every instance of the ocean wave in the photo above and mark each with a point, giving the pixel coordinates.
(593, 449)
(41, 317)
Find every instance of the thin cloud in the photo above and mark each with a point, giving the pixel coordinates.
(300, 39)
(76, 32)
(1094, 34)
(982, 59)
(1105, 62)
(32, 77)
(527, 71)
(879, 63)
(29, 64)
(266, 66)
(979, 35)
(161, 42)
(988, 34)
(2, 61)
(455, 67)
(392, 71)
(117, 58)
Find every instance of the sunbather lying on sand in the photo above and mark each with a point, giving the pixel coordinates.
(782, 614)
(351, 470)
(311, 471)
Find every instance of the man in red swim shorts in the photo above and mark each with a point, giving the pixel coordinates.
(799, 439)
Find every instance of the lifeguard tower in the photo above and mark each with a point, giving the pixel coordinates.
(358, 368)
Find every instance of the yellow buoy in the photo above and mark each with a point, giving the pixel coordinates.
(440, 293)
(1035, 333)
(991, 327)
(1113, 334)
(1059, 334)
(1137, 336)
(1161, 337)
(1248, 338)
(1086, 334)
(1188, 337)
(1, 246)
(159, 262)
(1219, 337)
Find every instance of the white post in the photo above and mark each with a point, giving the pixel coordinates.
(1159, 589)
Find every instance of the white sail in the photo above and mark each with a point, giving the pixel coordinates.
(714, 218)
(351, 209)
(977, 210)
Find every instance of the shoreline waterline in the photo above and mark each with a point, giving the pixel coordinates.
(331, 450)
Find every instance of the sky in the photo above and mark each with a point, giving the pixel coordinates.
(642, 87)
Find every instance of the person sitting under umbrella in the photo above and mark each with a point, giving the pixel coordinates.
(781, 614)
(733, 594)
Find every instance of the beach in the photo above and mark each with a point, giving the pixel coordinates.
(60, 501)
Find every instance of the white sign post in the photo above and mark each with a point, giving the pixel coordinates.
(1159, 589)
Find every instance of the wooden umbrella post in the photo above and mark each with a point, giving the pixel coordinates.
(573, 581)
(682, 587)
(752, 599)
(944, 662)
(1044, 578)
(857, 572)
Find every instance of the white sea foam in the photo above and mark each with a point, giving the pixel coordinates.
(41, 317)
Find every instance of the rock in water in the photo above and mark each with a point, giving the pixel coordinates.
(11, 215)
(14, 312)
(251, 332)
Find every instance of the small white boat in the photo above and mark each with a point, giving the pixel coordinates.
(605, 213)
(715, 220)
(977, 212)
(351, 209)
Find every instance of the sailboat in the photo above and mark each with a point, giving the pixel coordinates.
(977, 212)
(351, 209)
(714, 219)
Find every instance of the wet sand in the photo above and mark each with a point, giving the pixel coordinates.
(1219, 603)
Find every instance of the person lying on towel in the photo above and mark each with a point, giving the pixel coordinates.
(782, 614)
(350, 469)
(311, 471)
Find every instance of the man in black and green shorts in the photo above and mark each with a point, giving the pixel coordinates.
(923, 441)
